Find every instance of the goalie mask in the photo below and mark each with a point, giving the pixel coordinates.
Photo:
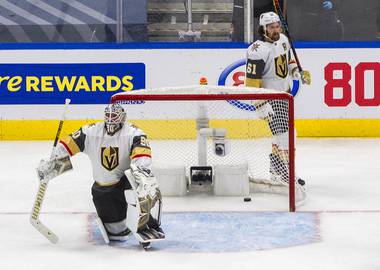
(114, 118)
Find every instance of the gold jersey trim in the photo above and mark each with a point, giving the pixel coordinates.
(140, 151)
(69, 143)
(253, 82)
(106, 184)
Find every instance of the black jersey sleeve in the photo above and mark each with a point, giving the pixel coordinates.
(75, 142)
(255, 68)
(140, 147)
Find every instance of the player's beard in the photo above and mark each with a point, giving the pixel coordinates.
(275, 36)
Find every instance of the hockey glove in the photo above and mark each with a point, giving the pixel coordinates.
(304, 76)
(48, 169)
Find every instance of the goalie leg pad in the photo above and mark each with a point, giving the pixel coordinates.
(156, 210)
(154, 222)
(139, 208)
(144, 213)
(136, 216)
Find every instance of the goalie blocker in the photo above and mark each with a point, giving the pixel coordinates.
(48, 169)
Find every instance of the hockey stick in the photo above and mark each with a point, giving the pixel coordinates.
(278, 10)
(34, 217)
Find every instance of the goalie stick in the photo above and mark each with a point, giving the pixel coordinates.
(34, 217)
(278, 10)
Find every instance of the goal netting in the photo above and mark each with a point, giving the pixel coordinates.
(216, 125)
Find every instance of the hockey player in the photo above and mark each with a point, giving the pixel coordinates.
(117, 149)
(270, 65)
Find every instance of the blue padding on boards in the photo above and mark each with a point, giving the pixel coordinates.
(228, 231)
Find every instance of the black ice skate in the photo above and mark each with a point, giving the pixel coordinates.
(145, 245)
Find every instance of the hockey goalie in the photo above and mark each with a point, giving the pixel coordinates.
(125, 192)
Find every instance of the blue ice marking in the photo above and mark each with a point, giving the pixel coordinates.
(228, 231)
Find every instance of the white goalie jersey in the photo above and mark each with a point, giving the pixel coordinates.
(269, 64)
(110, 155)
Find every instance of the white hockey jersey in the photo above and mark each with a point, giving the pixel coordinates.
(269, 62)
(110, 155)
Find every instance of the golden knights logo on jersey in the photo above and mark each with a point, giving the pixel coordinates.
(110, 157)
(281, 66)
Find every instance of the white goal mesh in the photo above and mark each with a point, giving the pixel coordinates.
(185, 126)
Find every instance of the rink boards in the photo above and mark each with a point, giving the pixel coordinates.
(46, 129)
(343, 99)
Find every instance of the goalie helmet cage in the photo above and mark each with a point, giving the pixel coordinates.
(174, 116)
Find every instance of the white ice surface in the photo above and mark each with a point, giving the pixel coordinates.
(343, 177)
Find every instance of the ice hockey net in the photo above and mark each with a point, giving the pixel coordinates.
(174, 116)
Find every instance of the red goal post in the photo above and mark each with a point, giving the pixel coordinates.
(200, 93)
